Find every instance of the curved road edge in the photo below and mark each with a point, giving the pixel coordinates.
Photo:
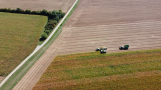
(38, 47)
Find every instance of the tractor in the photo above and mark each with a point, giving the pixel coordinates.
(102, 49)
(125, 47)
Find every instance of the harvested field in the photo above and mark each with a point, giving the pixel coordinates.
(105, 12)
(113, 23)
(49, 5)
(19, 36)
(110, 23)
(113, 71)
(140, 36)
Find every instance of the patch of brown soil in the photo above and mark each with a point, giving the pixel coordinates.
(1, 78)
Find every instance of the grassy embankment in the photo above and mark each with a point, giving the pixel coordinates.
(127, 70)
(19, 36)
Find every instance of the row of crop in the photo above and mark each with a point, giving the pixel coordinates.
(53, 18)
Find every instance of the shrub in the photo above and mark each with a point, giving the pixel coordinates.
(60, 11)
(52, 22)
(27, 11)
(47, 31)
(57, 18)
(62, 15)
(55, 22)
(54, 12)
(44, 12)
(19, 10)
(49, 27)
(44, 36)
(13, 11)
(8, 10)
(5, 10)
(34, 12)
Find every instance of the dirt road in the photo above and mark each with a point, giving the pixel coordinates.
(49, 5)
(96, 23)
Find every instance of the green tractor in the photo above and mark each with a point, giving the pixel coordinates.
(125, 47)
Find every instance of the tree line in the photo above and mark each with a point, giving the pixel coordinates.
(53, 18)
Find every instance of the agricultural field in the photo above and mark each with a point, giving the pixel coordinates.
(19, 35)
(96, 23)
(113, 23)
(35, 5)
(127, 70)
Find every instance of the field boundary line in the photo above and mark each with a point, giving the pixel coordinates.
(38, 47)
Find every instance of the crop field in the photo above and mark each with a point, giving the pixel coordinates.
(110, 23)
(19, 36)
(132, 70)
(35, 5)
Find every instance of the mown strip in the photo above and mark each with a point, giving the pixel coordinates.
(72, 71)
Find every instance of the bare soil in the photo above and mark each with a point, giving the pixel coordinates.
(139, 36)
(35, 5)
(105, 12)
(1, 78)
(96, 23)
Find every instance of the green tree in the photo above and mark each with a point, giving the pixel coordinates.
(18, 10)
(44, 12)
(27, 11)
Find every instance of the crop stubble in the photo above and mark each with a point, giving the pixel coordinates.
(109, 23)
(112, 24)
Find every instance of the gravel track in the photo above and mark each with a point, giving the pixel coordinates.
(96, 23)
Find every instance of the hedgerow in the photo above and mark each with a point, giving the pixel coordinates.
(53, 17)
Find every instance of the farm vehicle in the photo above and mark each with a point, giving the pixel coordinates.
(125, 47)
(102, 49)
